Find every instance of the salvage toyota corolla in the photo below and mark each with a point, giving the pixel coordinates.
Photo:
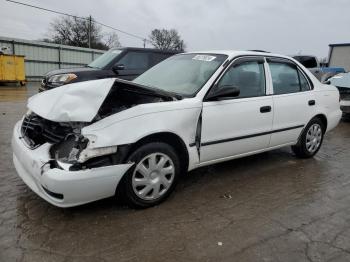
(91, 140)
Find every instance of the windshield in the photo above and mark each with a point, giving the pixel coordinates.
(182, 74)
(105, 59)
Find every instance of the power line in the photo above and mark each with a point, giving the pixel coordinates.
(79, 17)
(45, 9)
(121, 31)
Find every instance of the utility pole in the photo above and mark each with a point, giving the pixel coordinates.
(144, 43)
(90, 31)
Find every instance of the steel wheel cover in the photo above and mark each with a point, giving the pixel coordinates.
(153, 176)
(313, 138)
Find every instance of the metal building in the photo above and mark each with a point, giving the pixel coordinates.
(339, 56)
(41, 57)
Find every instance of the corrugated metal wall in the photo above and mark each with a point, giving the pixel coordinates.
(42, 57)
(340, 57)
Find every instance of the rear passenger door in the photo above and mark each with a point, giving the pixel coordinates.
(293, 101)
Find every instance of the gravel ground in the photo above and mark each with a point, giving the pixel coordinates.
(268, 207)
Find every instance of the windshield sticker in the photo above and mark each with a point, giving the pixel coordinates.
(207, 58)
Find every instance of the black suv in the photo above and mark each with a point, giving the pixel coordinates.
(126, 63)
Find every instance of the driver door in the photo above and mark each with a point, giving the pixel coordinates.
(242, 124)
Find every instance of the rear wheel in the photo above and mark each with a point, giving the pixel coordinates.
(153, 176)
(310, 140)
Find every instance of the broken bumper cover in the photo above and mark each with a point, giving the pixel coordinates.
(60, 187)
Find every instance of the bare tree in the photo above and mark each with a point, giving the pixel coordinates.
(75, 32)
(167, 39)
(111, 40)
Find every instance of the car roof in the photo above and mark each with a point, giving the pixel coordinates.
(234, 53)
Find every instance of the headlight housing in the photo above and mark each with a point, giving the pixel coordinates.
(62, 79)
(89, 153)
(75, 150)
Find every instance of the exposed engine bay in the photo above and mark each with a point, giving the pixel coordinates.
(124, 95)
(68, 143)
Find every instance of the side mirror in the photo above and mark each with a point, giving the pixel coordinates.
(224, 92)
(116, 68)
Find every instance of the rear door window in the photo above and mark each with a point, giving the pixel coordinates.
(287, 78)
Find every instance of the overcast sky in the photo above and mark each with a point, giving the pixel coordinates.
(280, 26)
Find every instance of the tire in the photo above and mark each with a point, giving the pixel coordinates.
(153, 177)
(346, 116)
(310, 140)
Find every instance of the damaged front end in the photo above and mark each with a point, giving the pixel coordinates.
(70, 150)
(68, 147)
(55, 159)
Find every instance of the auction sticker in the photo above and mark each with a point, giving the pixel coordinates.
(207, 58)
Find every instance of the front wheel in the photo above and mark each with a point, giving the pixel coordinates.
(153, 176)
(310, 140)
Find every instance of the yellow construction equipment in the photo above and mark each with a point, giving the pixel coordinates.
(12, 68)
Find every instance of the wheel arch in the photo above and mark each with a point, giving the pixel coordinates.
(323, 118)
(170, 138)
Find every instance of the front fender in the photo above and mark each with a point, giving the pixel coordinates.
(181, 122)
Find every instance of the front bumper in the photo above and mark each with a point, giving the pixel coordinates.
(61, 187)
(345, 106)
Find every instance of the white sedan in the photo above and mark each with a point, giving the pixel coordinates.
(87, 141)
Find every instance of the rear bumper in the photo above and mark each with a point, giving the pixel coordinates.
(61, 187)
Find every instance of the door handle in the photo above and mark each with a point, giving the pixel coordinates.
(265, 109)
(312, 102)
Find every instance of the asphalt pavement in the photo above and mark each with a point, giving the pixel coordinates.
(267, 207)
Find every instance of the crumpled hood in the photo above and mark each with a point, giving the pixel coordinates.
(77, 102)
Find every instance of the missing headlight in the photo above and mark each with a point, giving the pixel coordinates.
(89, 153)
(68, 151)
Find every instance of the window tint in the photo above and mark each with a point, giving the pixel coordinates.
(285, 78)
(249, 77)
(304, 84)
(135, 60)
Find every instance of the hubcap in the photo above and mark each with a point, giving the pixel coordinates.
(153, 176)
(313, 138)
